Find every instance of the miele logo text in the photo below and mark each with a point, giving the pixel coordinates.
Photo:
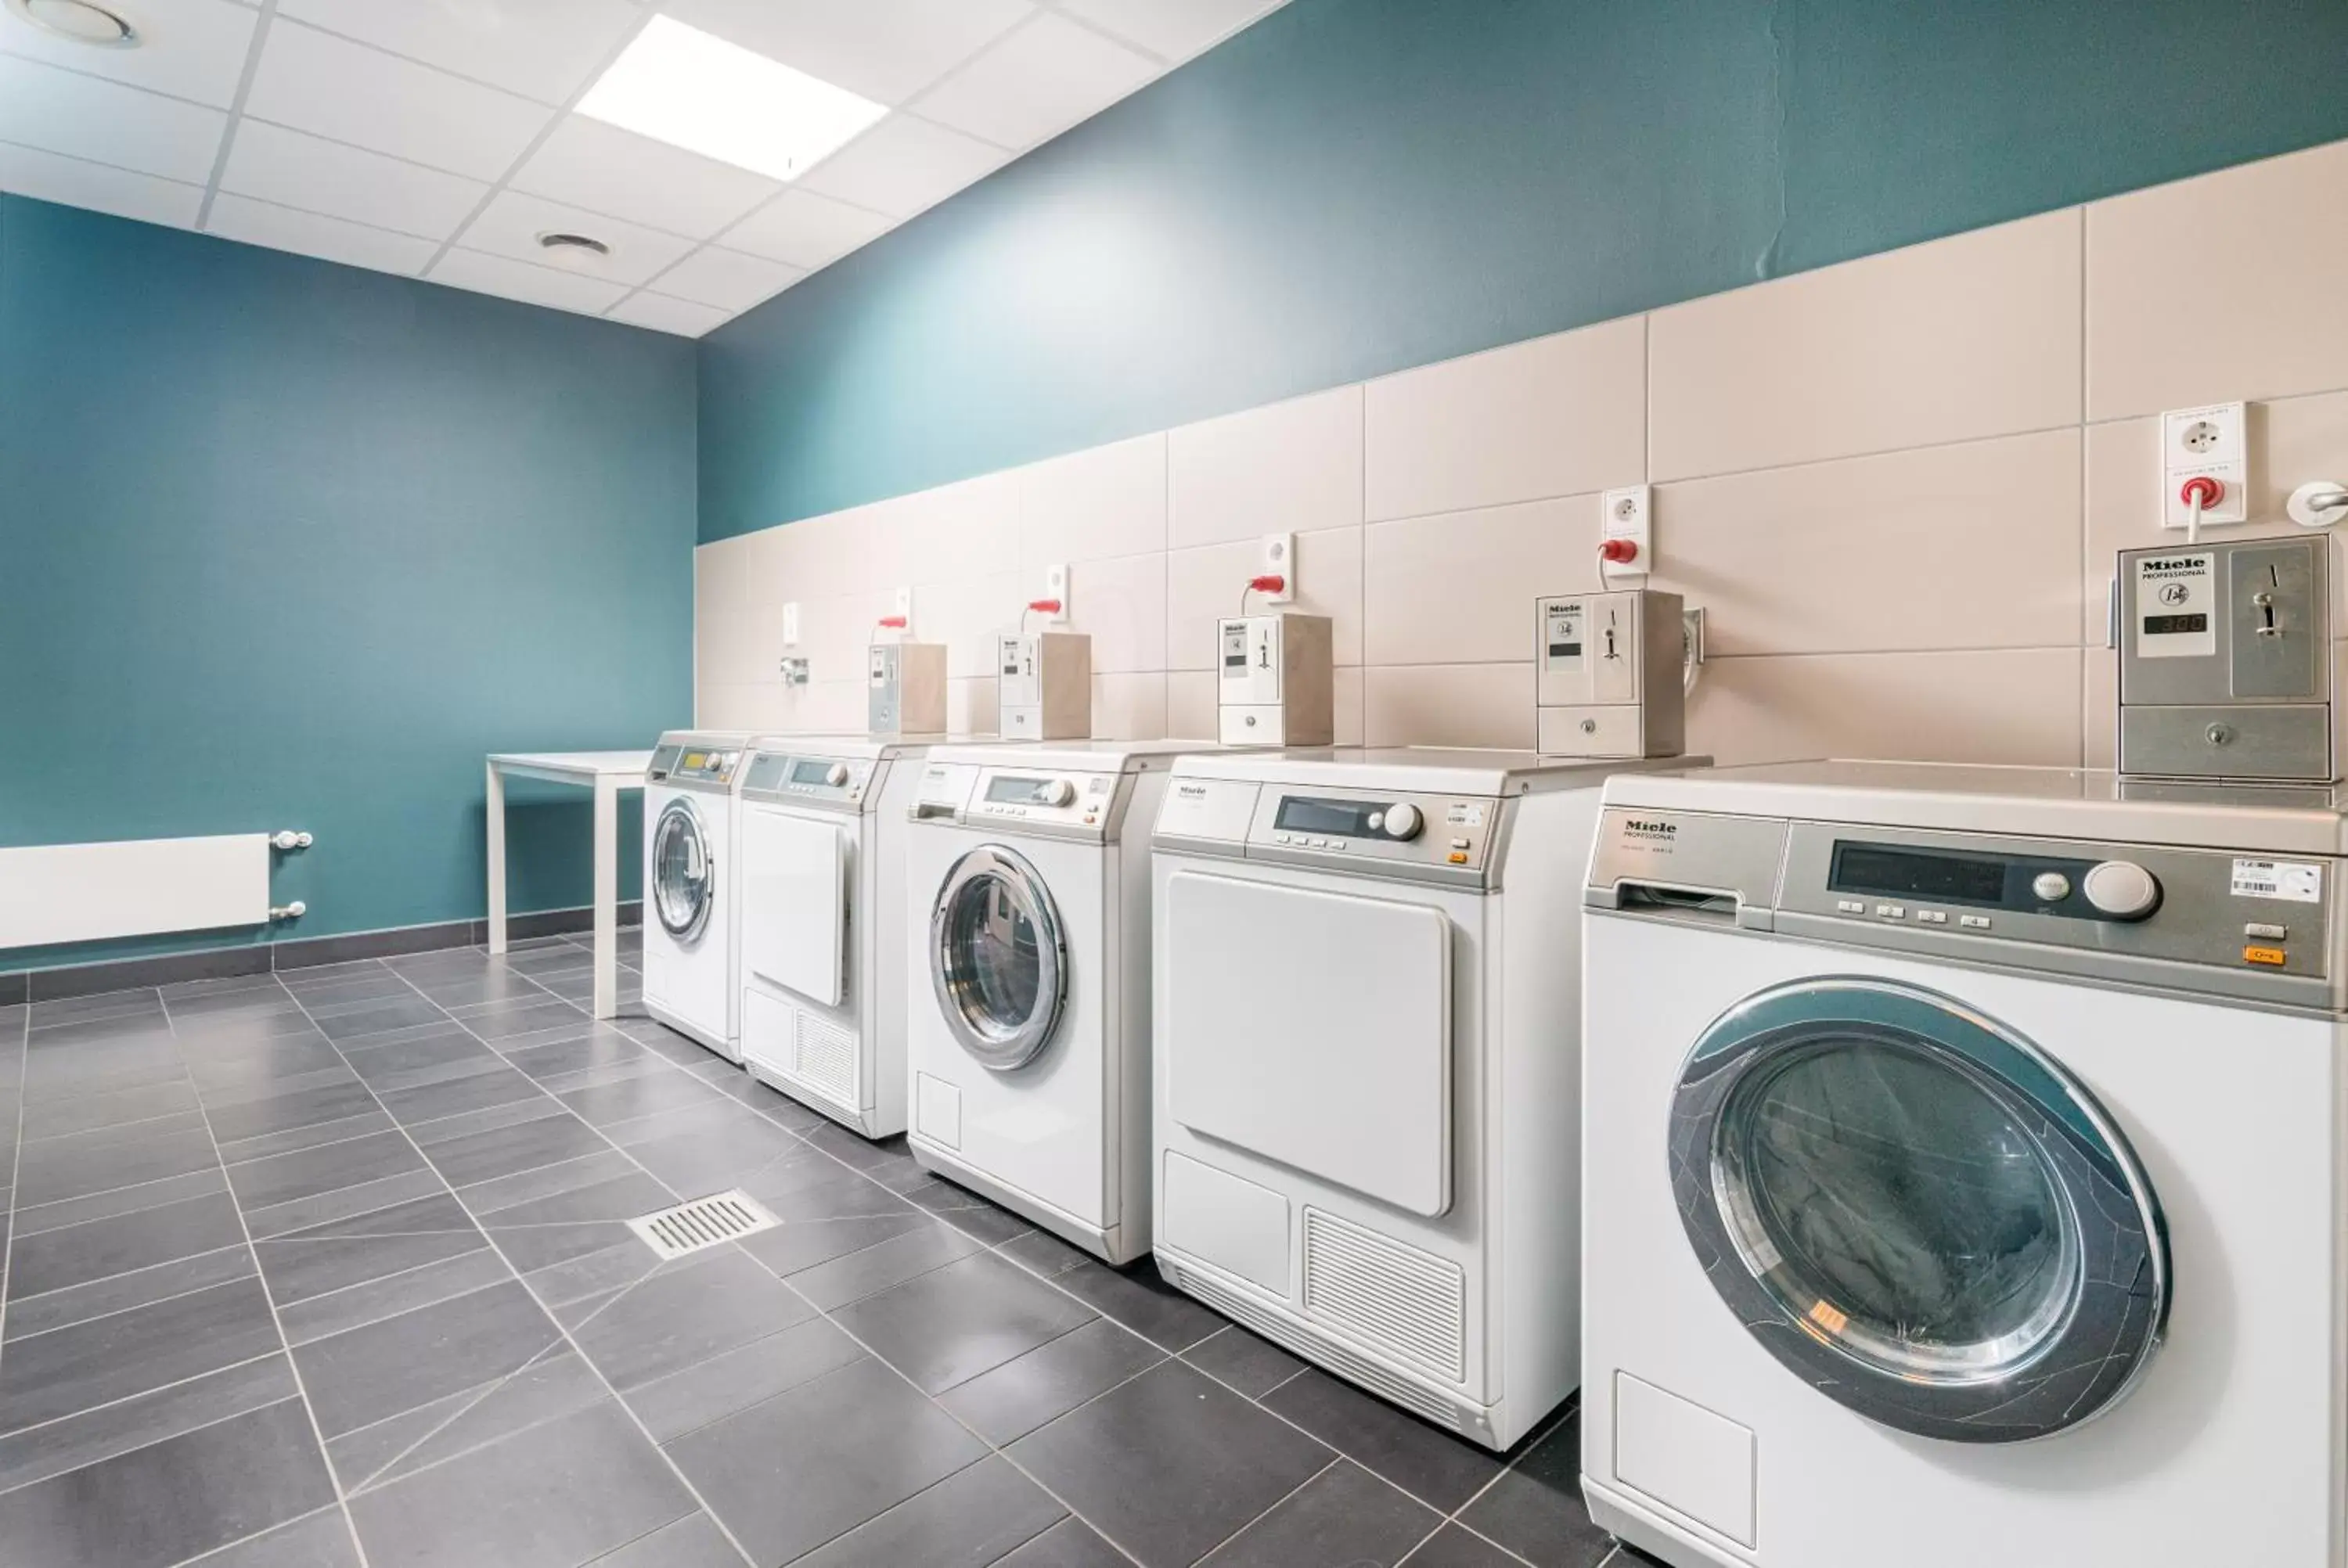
(1192, 791)
(2180, 563)
(1638, 829)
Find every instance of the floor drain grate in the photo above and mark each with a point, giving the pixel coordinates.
(703, 1223)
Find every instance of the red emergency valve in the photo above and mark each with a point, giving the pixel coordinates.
(2202, 490)
(1045, 606)
(1271, 582)
(1621, 552)
(894, 623)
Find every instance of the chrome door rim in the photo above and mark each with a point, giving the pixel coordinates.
(997, 1049)
(678, 816)
(2069, 1367)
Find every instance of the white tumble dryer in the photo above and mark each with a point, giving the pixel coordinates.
(1973, 1182)
(1027, 1026)
(1367, 1081)
(690, 898)
(823, 916)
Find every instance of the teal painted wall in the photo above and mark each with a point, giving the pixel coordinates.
(1353, 186)
(284, 544)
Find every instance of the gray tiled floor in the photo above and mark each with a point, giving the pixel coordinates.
(329, 1270)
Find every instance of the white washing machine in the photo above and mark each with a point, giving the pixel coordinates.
(823, 919)
(1367, 1082)
(1027, 1016)
(1968, 1176)
(690, 898)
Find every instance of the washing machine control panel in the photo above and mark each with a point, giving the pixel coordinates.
(808, 779)
(696, 765)
(1029, 799)
(1445, 835)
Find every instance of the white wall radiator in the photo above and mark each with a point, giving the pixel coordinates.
(91, 892)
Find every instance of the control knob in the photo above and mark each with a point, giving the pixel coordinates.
(1060, 792)
(2122, 889)
(2050, 886)
(836, 775)
(1402, 821)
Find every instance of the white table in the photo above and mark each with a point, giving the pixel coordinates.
(607, 773)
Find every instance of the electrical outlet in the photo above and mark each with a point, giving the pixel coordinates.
(1055, 587)
(2211, 442)
(1279, 560)
(1628, 513)
(905, 609)
(791, 624)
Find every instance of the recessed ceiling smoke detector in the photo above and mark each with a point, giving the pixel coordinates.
(566, 250)
(79, 21)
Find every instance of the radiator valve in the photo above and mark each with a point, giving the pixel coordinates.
(286, 838)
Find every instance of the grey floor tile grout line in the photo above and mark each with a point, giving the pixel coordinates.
(269, 1297)
(108, 1193)
(486, 1391)
(149, 1393)
(214, 1552)
(109, 1127)
(126, 1274)
(15, 1166)
(564, 1333)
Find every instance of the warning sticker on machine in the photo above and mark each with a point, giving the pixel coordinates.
(2300, 881)
(2176, 598)
(1465, 813)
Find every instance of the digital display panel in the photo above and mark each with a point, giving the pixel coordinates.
(1019, 792)
(2168, 625)
(1565, 650)
(1345, 818)
(810, 772)
(1874, 869)
(1235, 645)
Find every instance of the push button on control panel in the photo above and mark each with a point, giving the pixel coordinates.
(1851, 906)
(2261, 932)
(1931, 918)
(1974, 922)
(2273, 957)
(1891, 911)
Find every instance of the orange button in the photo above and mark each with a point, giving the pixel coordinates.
(1458, 857)
(2262, 956)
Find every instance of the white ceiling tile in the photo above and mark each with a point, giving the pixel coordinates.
(664, 314)
(806, 230)
(902, 166)
(603, 169)
(520, 280)
(1172, 29)
(544, 49)
(82, 116)
(296, 170)
(1039, 81)
(726, 279)
(310, 234)
(72, 182)
(187, 48)
(888, 50)
(510, 226)
(315, 81)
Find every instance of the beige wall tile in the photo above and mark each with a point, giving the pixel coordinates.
(727, 649)
(2258, 250)
(967, 617)
(1204, 585)
(972, 705)
(1970, 336)
(1449, 705)
(951, 534)
(2291, 440)
(722, 580)
(1287, 467)
(2099, 684)
(1460, 589)
(1974, 546)
(1345, 698)
(1129, 707)
(1551, 416)
(1121, 605)
(2018, 706)
(1108, 501)
(818, 708)
(1190, 704)
(833, 634)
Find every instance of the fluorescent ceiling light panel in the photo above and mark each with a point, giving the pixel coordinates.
(695, 90)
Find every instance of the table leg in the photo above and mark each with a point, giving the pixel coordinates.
(607, 897)
(497, 826)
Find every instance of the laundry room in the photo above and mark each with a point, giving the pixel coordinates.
(1333, 783)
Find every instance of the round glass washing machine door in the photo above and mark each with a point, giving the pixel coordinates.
(1918, 1213)
(999, 961)
(684, 875)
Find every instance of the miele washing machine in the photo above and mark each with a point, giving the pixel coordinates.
(690, 897)
(1367, 1088)
(1027, 1026)
(1968, 1173)
(823, 917)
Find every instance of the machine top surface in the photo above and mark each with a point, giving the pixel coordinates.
(1442, 770)
(857, 746)
(1074, 756)
(2062, 802)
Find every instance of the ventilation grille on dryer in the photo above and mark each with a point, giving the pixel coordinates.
(1353, 1368)
(824, 1054)
(703, 1223)
(1395, 1297)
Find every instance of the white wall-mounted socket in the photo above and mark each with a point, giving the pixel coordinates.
(905, 611)
(1279, 559)
(1055, 587)
(2213, 441)
(1628, 513)
(791, 624)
